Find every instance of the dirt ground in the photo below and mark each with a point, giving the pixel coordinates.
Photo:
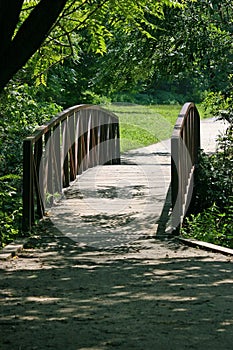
(149, 294)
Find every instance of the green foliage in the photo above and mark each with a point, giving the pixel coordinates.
(88, 26)
(22, 109)
(212, 218)
(193, 38)
(168, 97)
(93, 98)
(10, 208)
(176, 62)
(211, 225)
(220, 105)
(160, 97)
(214, 174)
(21, 112)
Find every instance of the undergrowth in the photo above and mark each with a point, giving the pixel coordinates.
(212, 217)
(21, 112)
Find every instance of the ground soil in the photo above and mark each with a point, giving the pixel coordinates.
(149, 294)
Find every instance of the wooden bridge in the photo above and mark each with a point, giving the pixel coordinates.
(74, 173)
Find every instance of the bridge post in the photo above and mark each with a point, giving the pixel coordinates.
(38, 151)
(28, 200)
(176, 144)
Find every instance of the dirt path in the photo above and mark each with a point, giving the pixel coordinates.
(150, 294)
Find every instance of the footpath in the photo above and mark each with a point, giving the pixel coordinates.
(149, 293)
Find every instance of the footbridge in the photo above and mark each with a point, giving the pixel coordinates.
(75, 175)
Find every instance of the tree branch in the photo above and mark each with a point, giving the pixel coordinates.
(80, 22)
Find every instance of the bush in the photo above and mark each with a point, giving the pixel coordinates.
(212, 217)
(219, 104)
(21, 112)
(93, 98)
(158, 97)
(212, 225)
(10, 208)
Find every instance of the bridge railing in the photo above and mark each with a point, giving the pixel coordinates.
(76, 139)
(185, 144)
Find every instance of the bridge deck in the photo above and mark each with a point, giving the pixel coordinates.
(112, 205)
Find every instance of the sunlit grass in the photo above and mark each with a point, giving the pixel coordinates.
(144, 125)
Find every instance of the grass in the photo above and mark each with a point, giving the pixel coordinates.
(144, 125)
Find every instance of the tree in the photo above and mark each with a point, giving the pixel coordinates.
(191, 46)
(16, 49)
(24, 26)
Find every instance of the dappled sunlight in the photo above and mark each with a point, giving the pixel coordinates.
(108, 206)
(99, 298)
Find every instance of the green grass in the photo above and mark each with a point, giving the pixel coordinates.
(144, 125)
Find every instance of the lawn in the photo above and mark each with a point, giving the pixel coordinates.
(144, 125)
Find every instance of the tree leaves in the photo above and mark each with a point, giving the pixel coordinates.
(99, 20)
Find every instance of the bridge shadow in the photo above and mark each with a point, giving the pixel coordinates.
(147, 296)
(163, 230)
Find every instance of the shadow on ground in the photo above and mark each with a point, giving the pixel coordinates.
(145, 296)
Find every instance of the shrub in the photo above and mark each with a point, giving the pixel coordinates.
(93, 98)
(212, 225)
(212, 217)
(157, 97)
(21, 112)
(220, 105)
(10, 208)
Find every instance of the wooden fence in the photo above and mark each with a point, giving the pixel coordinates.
(185, 144)
(76, 139)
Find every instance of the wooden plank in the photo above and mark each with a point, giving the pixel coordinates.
(205, 245)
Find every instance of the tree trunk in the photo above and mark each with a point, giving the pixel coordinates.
(14, 53)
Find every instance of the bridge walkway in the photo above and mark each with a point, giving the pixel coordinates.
(110, 205)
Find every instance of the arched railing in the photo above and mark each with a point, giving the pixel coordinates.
(78, 138)
(185, 144)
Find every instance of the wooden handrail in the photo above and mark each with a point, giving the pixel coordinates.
(185, 144)
(76, 139)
